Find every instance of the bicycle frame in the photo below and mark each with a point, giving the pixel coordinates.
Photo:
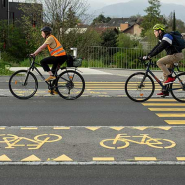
(148, 71)
(121, 137)
(50, 85)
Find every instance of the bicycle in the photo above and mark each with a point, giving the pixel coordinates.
(121, 141)
(140, 87)
(69, 84)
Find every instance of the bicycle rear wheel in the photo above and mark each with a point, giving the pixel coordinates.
(21, 89)
(178, 88)
(137, 89)
(70, 85)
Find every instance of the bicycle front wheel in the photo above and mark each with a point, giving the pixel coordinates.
(139, 88)
(70, 85)
(178, 88)
(23, 85)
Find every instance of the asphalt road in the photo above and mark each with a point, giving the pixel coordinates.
(92, 175)
(55, 111)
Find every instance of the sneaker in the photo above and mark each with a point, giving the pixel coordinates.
(50, 78)
(169, 80)
(53, 92)
(166, 94)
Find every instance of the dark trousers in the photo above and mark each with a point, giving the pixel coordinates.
(53, 60)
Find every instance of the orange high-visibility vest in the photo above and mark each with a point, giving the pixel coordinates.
(58, 50)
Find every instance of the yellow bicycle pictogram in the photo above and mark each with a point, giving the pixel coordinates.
(37, 142)
(123, 141)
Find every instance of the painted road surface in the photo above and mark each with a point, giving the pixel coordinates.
(92, 145)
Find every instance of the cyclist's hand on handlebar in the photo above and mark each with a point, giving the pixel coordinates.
(32, 55)
(146, 58)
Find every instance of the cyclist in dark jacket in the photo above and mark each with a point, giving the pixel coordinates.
(173, 55)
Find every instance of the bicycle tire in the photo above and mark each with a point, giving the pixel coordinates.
(156, 145)
(102, 143)
(136, 93)
(70, 80)
(16, 84)
(57, 137)
(178, 94)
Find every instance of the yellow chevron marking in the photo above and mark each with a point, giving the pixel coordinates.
(4, 158)
(31, 158)
(117, 128)
(63, 158)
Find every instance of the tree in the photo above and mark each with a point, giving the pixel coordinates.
(109, 38)
(153, 15)
(174, 22)
(101, 19)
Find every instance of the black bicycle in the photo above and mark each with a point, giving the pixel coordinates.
(69, 84)
(139, 87)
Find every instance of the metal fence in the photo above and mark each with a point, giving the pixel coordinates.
(114, 57)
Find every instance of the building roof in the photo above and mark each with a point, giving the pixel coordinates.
(115, 22)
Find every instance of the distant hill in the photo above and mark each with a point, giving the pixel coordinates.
(137, 7)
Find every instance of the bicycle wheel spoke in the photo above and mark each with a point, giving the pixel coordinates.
(139, 89)
(68, 82)
(178, 88)
(19, 88)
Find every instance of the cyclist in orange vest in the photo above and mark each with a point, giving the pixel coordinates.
(57, 52)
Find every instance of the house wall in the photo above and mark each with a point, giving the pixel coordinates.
(137, 30)
(124, 26)
(3, 9)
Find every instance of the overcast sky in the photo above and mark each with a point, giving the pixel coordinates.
(100, 3)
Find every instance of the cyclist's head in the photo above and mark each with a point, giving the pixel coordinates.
(159, 27)
(47, 31)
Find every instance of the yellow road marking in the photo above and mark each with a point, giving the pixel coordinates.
(103, 159)
(163, 104)
(31, 158)
(180, 158)
(29, 128)
(4, 158)
(61, 128)
(145, 158)
(175, 122)
(171, 115)
(161, 100)
(63, 158)
(165, 128)
(167, 109)
(2, 128)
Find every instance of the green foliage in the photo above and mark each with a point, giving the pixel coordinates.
(109, 38)
(153, 16)
(101, 19)
(127, 41)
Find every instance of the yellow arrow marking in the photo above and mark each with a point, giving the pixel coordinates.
(4, 158)
(175, 122)
(117, 128)
(63, 158)
(170, 115)
(93, 128)
(31, 158)
(103, 159)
